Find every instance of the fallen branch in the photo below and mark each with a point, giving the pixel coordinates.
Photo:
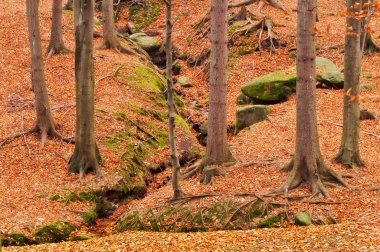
(326, 202)
(375, 188)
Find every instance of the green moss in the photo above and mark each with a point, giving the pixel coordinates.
(180, 122)
(81, 237)
(302, 219)
(144, 14)
(143, 79)
(90, 196)
(15, 239)
(272, 221)
(54, 232)
(366, 74)
(89, 217)
(55, 197)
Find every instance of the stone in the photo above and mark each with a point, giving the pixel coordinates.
(149, 44)
(273, 87)
(302, 219)
(328, 73)
(184, 82)
(54, 232)
(242, 99)
(246, 116)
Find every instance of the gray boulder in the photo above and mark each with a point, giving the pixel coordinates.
(246, 116)
(328, 73)
(302, 219)
(146, 42)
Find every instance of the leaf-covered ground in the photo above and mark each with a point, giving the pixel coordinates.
(29, 175)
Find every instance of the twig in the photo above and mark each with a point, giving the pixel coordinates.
(326, 202)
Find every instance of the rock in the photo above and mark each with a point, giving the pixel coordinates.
(146, 42)
(246, 116)
(272, 221)
(54, 232)
(81, 237)
(177, 68)
(328, 73)
(273, 87)
(367, 86)
(15, 239)
(302, 219)
(184, 82)
(132, 28)
(242, 99)
(366, 115)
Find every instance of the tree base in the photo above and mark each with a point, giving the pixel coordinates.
(61, 49)
(84, 162)
(348, 159)
(319, 177)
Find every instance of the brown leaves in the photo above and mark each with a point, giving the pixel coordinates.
(352, 98)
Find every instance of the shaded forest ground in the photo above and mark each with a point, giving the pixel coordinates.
(29, 175)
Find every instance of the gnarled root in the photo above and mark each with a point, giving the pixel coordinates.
(53, 50)
(115, 46)
(208, 174)
(317, 177)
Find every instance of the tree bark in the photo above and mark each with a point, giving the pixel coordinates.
(308, 164)
(110, 40)
(86, 155)
(349, 154)
(367, 44)
(174, 159)
(56, 44)
(45, 123)
(217, 148)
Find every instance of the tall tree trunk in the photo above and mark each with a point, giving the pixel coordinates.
(86, 155)
(45, 123)
(349, 154)
(174, 159)
(56, 44)
(110, 40)
(308, 165)
(217, 148)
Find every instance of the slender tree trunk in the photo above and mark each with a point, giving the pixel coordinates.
(217, 148)
(86, 156)
(110, 40)
(45, 123)
(349, 154)
(177, 191)
(56, 44)
(308, 165)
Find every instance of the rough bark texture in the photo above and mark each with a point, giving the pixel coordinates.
(56, 44)
(217, 148)
(86, 156)
(174, 159)
(308, 164)
(110, 40)
(349, 154)
(45, 123)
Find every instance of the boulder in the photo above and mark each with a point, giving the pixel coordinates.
(242, 99)
(302, 219)
(146, 42)
(54, 232)
(184, 82)
(328, 73)
(246, 116)
(273, 87)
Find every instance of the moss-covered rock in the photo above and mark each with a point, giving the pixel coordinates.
(148, 43)
(242, 99)
(54, 232)
(248, 115)
(328, 73)
(272, 221)
(89, 217)
(143, 78)
(273, 87)
(81, 237)
(302, 219)
(15, 239)
(184, 82)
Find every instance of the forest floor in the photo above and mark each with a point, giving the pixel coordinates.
(29, 174)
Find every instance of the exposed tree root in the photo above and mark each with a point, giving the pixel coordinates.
(118, 48)
(274, 3)
(366, 115)
(375, 188)
(190, 198)
(370, 45)
(53, 50)
(316, 177)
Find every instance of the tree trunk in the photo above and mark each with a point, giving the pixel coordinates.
(308, 164)
(349, 149)
(367, 44)
(177, 191)
(217, 148)
(110, 40)
(56, 44)
(45, 123)
(86, 156)
(69, 5)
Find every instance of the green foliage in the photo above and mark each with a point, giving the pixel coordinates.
(90, 196)
(89, 217)
(273, 221)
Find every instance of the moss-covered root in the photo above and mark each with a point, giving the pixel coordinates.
(54, 232)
